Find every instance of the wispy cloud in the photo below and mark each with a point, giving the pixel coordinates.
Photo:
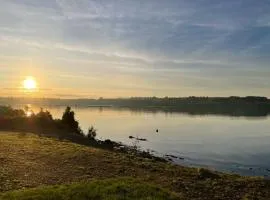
(164, 45)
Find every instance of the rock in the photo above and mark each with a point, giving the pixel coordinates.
(136, 138)
(175, 157)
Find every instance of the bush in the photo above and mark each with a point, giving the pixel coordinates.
(44, 118)
(92, 133)
(6, 111)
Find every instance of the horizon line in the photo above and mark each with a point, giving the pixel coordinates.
(131, 97)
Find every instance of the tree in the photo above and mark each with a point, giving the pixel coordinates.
(68, 119)
(44, 118)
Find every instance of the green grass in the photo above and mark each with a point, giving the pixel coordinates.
(28, 161)
(113, 189)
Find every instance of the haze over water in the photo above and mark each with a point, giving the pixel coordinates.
(234, 144)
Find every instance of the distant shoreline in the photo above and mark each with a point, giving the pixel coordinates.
(250, 106)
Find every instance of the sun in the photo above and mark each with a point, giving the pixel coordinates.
(29, 83)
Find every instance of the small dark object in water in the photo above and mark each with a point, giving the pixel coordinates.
(250, 168)
(157, 131)
(141, 139)
(130, 137)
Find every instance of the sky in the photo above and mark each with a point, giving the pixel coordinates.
(123, 48)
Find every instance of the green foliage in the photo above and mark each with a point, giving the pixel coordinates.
(17, 120)
(112, 189)
(6, 111)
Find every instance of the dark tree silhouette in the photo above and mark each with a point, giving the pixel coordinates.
(43, 118)
(68, 119)
(92, 133)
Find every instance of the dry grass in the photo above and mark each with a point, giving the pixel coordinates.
(28, 161)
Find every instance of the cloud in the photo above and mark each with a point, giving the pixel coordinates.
(169, 43)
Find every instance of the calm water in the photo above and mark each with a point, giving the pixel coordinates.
(235, 144)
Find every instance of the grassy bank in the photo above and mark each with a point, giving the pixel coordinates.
(29, 161)
(112, 189)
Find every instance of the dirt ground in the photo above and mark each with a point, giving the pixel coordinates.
(28, 161)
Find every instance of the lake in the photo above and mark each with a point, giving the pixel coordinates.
(232, 144)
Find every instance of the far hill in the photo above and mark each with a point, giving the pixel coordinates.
(232, 106)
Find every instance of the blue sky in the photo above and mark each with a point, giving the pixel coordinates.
(86, 48)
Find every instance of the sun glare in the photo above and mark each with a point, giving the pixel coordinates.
(29, 83)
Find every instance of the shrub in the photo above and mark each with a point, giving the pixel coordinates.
(92, 133)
